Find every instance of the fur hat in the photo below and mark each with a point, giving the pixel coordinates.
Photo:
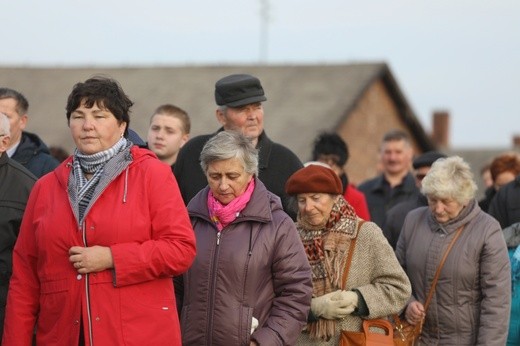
(314, 178)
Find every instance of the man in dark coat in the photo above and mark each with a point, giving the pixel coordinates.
(16, 183)
(396, 215)
(505, 206)
(239, 98)
(25, 147)
(396, 183)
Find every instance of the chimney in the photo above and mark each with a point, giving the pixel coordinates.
(516, 141)
(440, 129)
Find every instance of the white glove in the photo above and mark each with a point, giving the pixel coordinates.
(348, 297)
(333, 305)
(254, 324)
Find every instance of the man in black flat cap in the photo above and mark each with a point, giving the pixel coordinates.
(395, 216)
(239, 98)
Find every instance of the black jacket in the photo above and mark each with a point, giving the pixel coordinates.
(276, 164)
(34, 155)
(505, 206)
(395, 217)
(381, 198)
(16, 183)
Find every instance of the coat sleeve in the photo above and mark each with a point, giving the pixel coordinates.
(495, 283)
(389, 288)
(292, 287)
(24, 289)
(171, 247)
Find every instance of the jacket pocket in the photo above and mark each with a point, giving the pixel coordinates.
(54, 298)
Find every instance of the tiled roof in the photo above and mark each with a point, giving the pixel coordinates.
(301, 100)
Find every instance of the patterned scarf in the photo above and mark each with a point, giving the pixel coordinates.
(223, 215)
(327, 251)
(83, 192)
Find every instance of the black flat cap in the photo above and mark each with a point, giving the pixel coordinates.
(238, 90)
(427, 159)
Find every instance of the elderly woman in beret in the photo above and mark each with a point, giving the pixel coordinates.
(250, 283)
(376, 286)
(471, 301)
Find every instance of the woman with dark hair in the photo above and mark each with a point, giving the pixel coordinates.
(101, 238)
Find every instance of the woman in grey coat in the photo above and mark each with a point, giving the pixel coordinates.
(471, 301)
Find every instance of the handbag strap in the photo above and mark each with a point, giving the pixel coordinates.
(441, 264)
(350, 254)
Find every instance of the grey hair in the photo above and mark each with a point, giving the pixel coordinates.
(228, 145)
(5, 126)
(450, 178)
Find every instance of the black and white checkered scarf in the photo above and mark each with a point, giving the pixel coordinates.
(104, 166)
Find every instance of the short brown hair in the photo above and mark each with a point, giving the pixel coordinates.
(176, 112)
(507, 162)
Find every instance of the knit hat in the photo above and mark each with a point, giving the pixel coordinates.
(314, 178)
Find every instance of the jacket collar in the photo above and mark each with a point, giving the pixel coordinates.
(468, 213)
(407, 184)
(259, 208)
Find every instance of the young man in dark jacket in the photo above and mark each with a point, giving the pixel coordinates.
(239, 98)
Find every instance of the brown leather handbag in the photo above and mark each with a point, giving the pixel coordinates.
(401, 333)
(367, 336)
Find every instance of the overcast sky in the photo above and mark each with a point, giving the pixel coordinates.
(458, 55)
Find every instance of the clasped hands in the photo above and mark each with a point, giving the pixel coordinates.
(335, 305)
(91, 259)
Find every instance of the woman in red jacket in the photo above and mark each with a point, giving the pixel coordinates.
(101, 238)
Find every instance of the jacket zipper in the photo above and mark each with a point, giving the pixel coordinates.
(212, 288)
(87, 292)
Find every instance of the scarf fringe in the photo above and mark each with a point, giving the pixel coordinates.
(322, 329)
(327, 251)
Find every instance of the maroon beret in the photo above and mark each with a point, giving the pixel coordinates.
(314, 178)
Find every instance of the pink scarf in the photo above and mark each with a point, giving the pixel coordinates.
(223, 215)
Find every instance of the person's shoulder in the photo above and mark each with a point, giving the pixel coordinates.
(404, 206)
(511, 187)
(354, 192)
(46, 158)
(191, 150)
(197, 141)
(370, 183)
(483, 218)
(20, 171)
(370, 230)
